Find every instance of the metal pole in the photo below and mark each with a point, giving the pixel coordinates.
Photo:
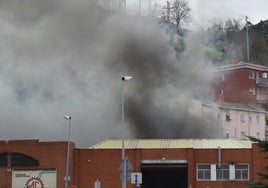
(168, 12)
(123, 122)
(67, 177)
(247, 39)
(124, 182)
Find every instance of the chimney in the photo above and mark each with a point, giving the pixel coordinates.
(235, 62)
(221, 98)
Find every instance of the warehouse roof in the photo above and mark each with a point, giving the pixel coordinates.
(173, 144)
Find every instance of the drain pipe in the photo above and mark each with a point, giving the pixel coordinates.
(219, 157)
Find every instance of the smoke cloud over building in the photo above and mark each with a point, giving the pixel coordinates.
(67, 58)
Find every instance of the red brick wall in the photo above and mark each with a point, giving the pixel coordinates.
(91, 165)
(235, 86)
(51, 155)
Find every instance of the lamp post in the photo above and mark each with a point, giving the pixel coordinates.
(67, 177)
(124, 182)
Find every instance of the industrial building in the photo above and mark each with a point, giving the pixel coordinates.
(180, 163)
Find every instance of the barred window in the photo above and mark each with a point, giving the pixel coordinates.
(241, 172)
(203, 172)
(222, 173)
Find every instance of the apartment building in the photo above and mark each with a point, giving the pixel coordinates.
(241, 82)
(238, 120)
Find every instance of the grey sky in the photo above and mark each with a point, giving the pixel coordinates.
(256, 10)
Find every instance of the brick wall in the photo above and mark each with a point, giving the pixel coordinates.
(91, 165)
(50, 155)
(235, 86)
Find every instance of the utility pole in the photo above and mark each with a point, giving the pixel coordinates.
(168, 12)
(247, 39)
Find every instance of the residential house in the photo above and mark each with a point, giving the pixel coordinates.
(238, 120)
(241, 82)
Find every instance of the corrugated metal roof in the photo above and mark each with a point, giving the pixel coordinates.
(173, 143)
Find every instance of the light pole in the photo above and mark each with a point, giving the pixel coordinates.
(124, 182)
(67, 177)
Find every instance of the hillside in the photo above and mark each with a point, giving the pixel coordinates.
(258, 42)
(237, 39)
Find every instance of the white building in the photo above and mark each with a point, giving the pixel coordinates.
(238, 120)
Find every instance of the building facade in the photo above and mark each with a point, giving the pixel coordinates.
(241, 82)
(172, 163)
(34, 164)
(182, 163)
(238, 120)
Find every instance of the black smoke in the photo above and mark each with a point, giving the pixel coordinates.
(67, 58)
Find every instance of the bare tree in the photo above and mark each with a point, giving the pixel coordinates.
(181, 12)
(176, 13)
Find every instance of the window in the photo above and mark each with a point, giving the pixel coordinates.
(3, 159)
(251, 74)
(258, 119)
(19, 159)
(250, 119)
(203, 172)
(242, 118)
(241, 172)
(227, 117)
(251, 91)
(222, 77)
(222, 173)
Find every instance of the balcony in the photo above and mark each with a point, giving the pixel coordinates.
(263, 82)
(262, 98)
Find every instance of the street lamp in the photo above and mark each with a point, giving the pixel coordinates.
(124, 182)
(67, 177)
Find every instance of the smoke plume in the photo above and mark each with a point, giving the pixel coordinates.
(67, 58)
